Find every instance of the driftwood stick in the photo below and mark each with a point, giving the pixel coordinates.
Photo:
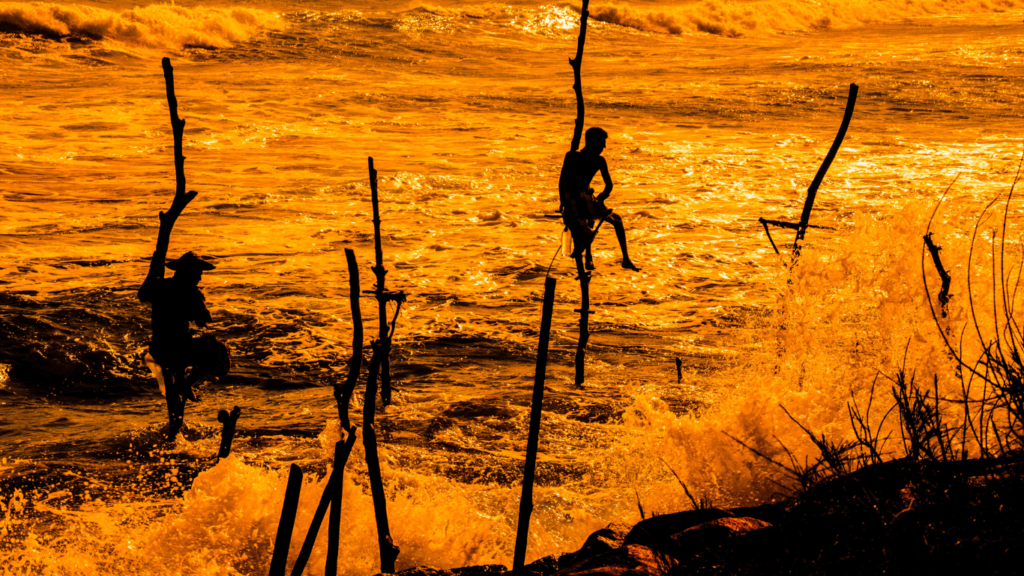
(943, 274)
(343, 394)
(584, 310)
(533, 440)
(381, 293)
(388, 550)
(577, 86)
(812, 191)
(287, 523)
(334, 483)
(227, 433)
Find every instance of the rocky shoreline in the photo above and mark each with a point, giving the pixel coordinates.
(896, 517)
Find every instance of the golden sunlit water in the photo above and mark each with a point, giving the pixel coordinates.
(719, 112)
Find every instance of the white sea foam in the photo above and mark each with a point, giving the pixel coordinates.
(732, 18)
(153, 26)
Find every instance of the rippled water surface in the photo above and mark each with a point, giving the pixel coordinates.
(718, 112)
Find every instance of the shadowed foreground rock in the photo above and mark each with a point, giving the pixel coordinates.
(898, 517)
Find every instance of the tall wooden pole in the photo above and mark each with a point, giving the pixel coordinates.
(381, 293)
(577, 135)
(388, 550)
(577, 86)
(175, 403)
(533, 440)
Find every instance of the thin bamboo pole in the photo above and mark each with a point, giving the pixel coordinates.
(533, 440)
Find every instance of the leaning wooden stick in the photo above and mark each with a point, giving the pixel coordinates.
(812, 190)
(287, 523)
(533, 440)
(342, 450)
(388, 550)
(343, 394)
(175, 404)
(227, 433)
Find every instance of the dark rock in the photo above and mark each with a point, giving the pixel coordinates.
(485, 570)
(421, 571)
(543, 566)
(604, 540)
(708, 535)
(653, 530)
(629, 560)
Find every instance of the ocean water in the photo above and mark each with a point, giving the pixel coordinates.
(719, 112)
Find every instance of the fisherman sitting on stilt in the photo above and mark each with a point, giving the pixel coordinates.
(176, 302)
(580, 209)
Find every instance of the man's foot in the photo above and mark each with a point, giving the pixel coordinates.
(628, 265)
(590, 265)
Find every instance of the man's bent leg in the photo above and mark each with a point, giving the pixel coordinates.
(620, 233)
(175, 404)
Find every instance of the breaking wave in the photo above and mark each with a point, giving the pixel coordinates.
(733, 18)
(154, 26)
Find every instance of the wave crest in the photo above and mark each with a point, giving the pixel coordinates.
(735, 18)
(154, 26)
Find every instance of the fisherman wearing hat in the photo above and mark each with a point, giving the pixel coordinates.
(177, 301)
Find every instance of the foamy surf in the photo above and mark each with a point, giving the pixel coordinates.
(731, 18)
(154, 26)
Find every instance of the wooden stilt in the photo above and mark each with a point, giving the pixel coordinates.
(533, 440)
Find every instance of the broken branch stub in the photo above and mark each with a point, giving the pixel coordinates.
(227, 433)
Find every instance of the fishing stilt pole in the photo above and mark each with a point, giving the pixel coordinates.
(533, 440)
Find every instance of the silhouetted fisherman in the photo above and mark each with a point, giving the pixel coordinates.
(177, 301)
(579, 206)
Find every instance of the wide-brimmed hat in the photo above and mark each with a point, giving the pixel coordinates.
(190, 261)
